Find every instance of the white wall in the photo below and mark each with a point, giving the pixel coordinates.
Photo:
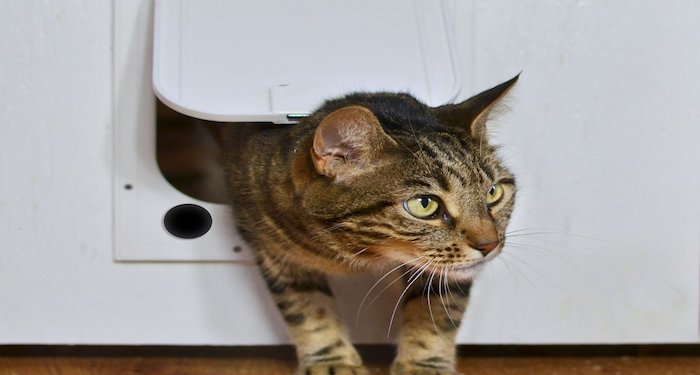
(58, 282)
(602, 135)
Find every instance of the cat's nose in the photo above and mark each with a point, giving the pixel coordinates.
(486, 247)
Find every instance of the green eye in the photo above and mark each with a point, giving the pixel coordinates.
(494, 195)
(424, 207)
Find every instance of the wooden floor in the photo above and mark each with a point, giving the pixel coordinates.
(278, 361)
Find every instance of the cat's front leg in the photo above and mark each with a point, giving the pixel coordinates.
(306, 304)
(431, 317)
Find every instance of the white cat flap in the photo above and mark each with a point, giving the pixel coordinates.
(277, 60)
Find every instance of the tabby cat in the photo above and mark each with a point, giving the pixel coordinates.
(373, 180)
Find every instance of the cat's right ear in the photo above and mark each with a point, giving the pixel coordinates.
(348, 142)
(472, 113)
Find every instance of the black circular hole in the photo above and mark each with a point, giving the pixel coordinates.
(128, 187)
(237, 249)
(187, 221)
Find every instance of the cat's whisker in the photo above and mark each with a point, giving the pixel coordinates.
(410, 283)
(536, 234)
(533, 234)
(359, 309)
(528, 229)
(510, 271)
(362, 251)
(531, 247)
(451, 295)
(524, 276)
(539, 273)
(439, 280)
(560, 247)
(451, 299)
(512, 274)
(354, 258)
(460, 288)
(558, 251)
(552, 232)
(333, 227)
(430, 286)
(389, 286)
(531, 267)
(411, 280)
(442, 283)
(538, 252)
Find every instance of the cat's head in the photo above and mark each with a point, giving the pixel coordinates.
(398, 181)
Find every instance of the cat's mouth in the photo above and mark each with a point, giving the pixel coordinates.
(470, 268)
(466, 271)
(465, 268)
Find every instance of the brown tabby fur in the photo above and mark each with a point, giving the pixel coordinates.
(326, 196)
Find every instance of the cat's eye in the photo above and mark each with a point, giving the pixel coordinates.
(423, 207)
(494, 195)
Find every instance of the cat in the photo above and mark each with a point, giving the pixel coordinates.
(373, 180)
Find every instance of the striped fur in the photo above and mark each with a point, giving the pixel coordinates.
(304, 221)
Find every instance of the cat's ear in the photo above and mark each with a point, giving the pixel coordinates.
(473, 112)
(348, 142)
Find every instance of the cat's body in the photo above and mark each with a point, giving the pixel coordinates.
(372, 180)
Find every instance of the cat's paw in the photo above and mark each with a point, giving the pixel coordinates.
(418, 369)
(332, 369)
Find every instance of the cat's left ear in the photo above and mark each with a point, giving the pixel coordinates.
(348, 142)
(473, 112)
